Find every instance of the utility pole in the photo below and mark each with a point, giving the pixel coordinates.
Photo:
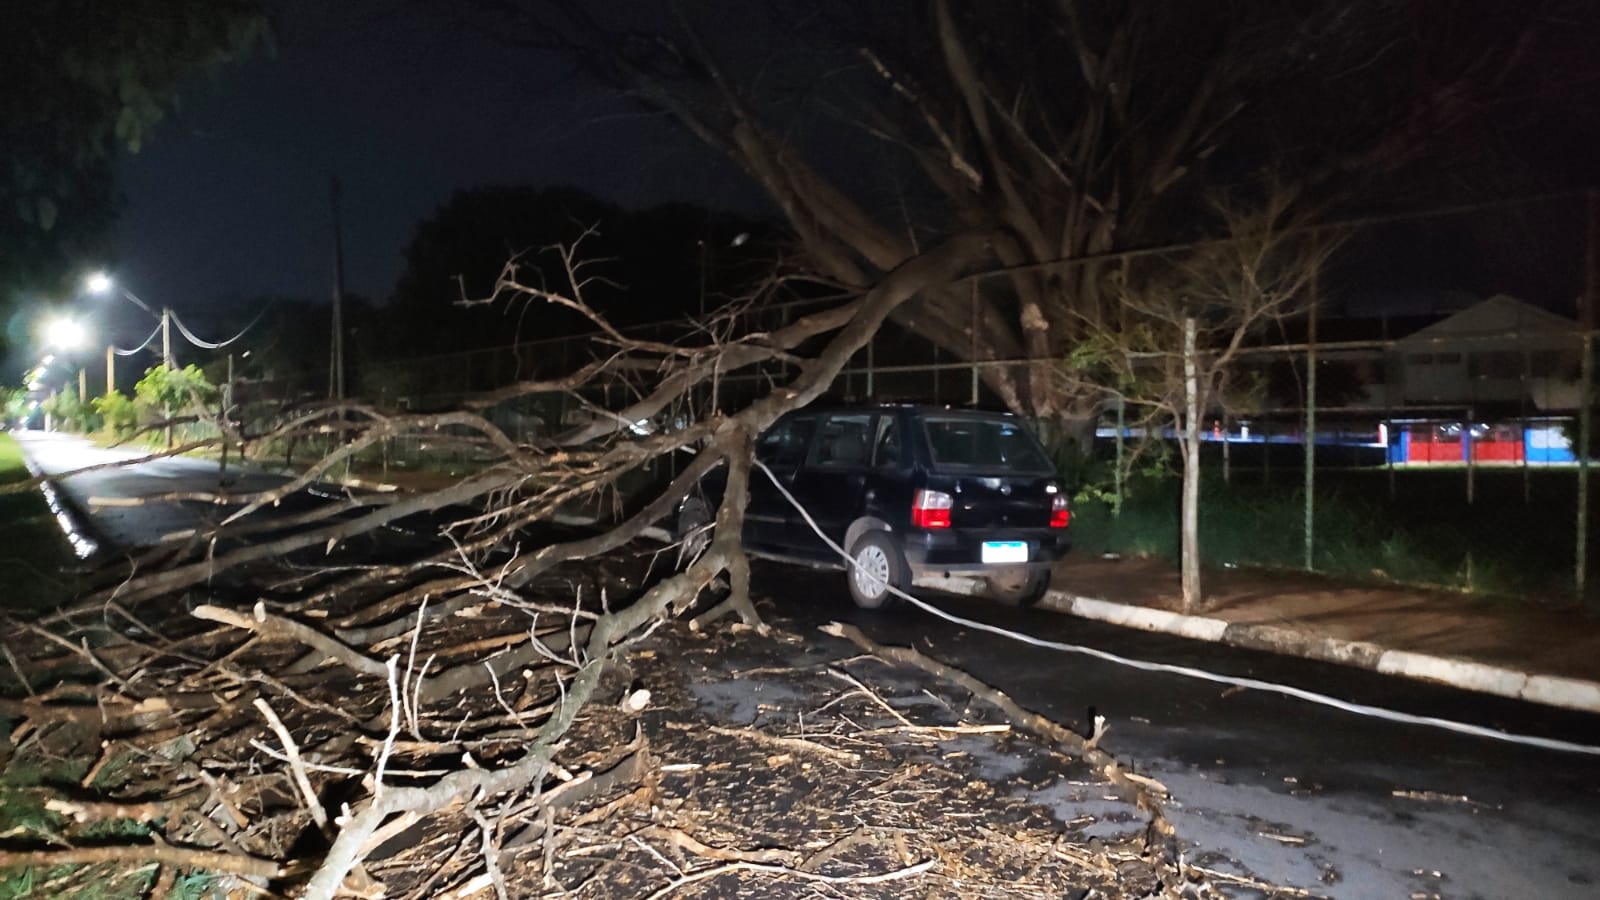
(166, 337)
(336, 349)
(111, 370)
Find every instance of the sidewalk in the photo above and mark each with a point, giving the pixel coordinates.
(1542, 655)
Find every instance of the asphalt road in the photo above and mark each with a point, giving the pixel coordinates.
(1293, 793)
(1297, 794)
(119, 498)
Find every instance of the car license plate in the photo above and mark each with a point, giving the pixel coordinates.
(1005, 551)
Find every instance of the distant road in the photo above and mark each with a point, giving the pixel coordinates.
(119, 521)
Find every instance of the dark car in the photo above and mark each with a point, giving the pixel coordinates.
(916, 494)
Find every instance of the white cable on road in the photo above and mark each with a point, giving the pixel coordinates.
(1190, 672)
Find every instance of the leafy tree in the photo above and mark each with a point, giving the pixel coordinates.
(84, 79)
(69, 413)
(118, 412)
(168, 393)
(13, 405)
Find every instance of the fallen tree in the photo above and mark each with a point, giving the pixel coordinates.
(265, 701)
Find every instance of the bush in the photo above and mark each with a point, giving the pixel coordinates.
(69, 413)
(1357, 535)
(168, 393)
(118, 413)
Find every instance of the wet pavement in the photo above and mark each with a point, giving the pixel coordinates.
(1339, 804)
(1335, 803)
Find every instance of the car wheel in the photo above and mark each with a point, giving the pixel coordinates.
(876, 566)
(1019, 588)
(693, 533)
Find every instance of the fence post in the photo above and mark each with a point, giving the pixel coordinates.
(1122, 425)
(973, 357)
(1311, 425)
(1585, 434)
(1227, 451)
(1470, 449)
(1591, 272)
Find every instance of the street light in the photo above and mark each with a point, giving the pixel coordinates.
(63, 333)
(101, 283)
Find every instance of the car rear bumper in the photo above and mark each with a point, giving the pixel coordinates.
(935, 553)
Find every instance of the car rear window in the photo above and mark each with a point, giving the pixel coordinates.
(964, 442)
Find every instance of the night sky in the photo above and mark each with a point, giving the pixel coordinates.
(229, 201)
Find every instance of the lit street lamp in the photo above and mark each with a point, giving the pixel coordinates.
(64, 334)
(67, 334)
(101, 283)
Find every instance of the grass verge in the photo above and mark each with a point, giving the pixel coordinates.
(1426, 536)
(34, 555)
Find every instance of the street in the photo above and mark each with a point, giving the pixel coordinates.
(110, 495)
(1279, 789)
(1298, 794)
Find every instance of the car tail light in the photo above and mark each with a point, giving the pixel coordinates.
(931, 509)
(1060, 515)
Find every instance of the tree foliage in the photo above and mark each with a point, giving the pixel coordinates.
(167, 393)
(118, 413)
(84, 79)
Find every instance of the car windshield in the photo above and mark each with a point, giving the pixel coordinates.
(969, 442)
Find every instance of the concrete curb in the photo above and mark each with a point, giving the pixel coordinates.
(1467, 674)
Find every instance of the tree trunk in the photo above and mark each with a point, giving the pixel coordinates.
(1191, 470)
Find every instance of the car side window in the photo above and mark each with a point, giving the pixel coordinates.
(784, 446)
(843, 441)
(886, 449)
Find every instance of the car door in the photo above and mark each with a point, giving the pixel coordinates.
(831, 482)
(782, 448)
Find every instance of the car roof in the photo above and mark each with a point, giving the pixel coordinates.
(868, 406)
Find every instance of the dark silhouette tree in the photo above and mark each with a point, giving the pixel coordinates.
(83, 81)
(1065, 131)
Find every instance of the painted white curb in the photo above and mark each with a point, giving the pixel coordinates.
(1549, 690)
(1474, 676)
(1197, 627)
(1572, 693)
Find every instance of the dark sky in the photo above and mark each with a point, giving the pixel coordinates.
(229, 201)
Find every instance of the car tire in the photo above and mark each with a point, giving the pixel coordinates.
(1021, 593)
(876, 566)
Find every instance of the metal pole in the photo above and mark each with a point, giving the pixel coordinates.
(1391, 368)
(1311, 426)
(1468, 447)
(1586, 392)
(974, 357)
(1227, 451)
(1585, 433)
(166, 361)
(336, 352)
(702, 244)
(1527, 379)
(1122, 425)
